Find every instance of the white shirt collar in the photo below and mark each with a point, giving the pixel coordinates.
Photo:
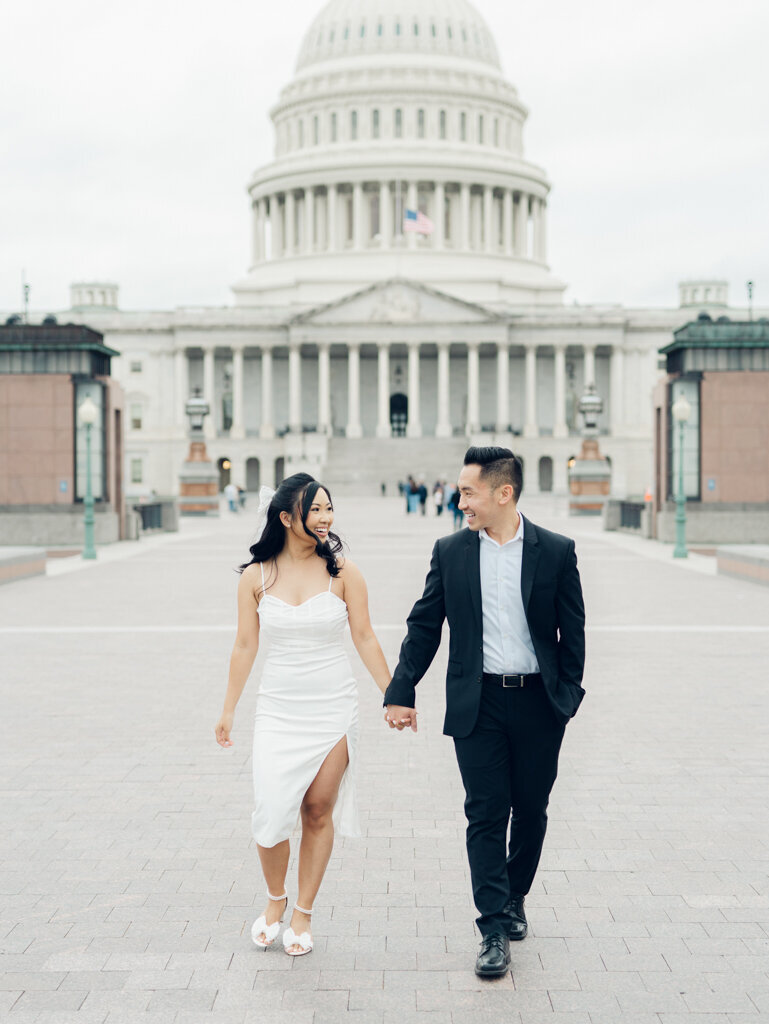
(518, 535)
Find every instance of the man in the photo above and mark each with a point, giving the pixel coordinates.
(512, 596)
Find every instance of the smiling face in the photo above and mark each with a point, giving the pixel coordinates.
(320, 518)
(484, 508)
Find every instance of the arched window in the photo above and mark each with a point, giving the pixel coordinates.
(463, 126)
(333, 127)
(480, 129)
(315, 130)
(442, 124)
(374, 124)
(398, 123)
(416, 28)
(496, 131)
(379, 29)
(420, 123)
(353, 125)
(397, 28)
(545, 473)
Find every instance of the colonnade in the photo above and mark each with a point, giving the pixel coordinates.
(362, 215)
(443, 426)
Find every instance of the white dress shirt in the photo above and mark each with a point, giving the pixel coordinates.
(507, 645)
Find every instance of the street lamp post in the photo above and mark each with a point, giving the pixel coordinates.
(88, 414)
(681, 411)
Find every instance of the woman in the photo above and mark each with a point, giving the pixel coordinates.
(299, 594)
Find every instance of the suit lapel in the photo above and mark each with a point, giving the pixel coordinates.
(473, 570)
(529, 561)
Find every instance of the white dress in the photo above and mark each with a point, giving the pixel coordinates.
(307, 701)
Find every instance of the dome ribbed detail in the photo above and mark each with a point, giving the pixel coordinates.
(363, 28)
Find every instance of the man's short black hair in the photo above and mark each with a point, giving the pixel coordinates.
(499, 466)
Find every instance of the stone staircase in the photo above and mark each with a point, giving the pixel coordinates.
(361, 466)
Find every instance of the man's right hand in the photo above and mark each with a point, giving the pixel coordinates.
(401, 718)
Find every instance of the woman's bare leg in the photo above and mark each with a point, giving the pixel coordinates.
(274, 866)
(318, 831)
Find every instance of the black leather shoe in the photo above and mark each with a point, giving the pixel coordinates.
(494, 957)
(519, 926)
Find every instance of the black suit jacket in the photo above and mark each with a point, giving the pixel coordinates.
(555, 613)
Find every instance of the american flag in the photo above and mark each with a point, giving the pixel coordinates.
(415, 220)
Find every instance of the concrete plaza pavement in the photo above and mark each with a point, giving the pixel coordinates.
(129, 880)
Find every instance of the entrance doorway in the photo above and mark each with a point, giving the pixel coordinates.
(224, 466)
(399, 414)
(252, 474)
(280, 469)
(545, 473)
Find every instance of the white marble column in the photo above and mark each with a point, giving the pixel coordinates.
(353, 392)
(464, 216)
(473, 389)
(531, 427)
(440, 215)
(267, 427)
(411, 204)
(237, 430)
(588, 356)
(256, 232)
(560, 429)
(536, 208)
(357, 216)
(414, 426)
(278, 225)
(488, 218)
(521, 220)
(617, 386)
(294, 389)
(181, 388)
(543, 231)
(503, 387)
(443, 425)
(333, 235)
(385, 215)
(383, 390)
(209, 424)
(309, 219)
(324, 389)
(290, 237)
(507, 221)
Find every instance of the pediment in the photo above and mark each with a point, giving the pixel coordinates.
(398, 301)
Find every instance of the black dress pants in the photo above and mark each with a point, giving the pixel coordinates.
(508, 764)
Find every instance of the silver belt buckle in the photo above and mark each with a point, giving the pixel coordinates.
(512, 686)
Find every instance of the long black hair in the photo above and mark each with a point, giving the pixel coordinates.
(295, 494)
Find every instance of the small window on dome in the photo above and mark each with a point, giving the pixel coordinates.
(333, 127)
(315, 130)
(416, 28)
(463, 126)
(464, 34)
(496, 131)
(420, 123)
(480, 129)
(354, 125)
(449, 32)
(331, 36)
(320, 38)
(434, 30)
(397, 28)
(346, 32)
(442, 124)
(362, 31)
(379, 29)
(375, 124)
(398, 123)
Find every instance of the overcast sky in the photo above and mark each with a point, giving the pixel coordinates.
(128, 133)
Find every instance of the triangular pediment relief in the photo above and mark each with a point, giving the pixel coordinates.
(398, 301)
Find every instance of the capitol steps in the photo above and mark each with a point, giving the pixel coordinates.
(361, 466)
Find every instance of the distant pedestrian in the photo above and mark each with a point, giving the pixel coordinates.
(231, 494)
(438, 495)
(412, 494)
(422, 493)
(453, 504)
(241, 496)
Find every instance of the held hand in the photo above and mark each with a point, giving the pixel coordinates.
(223, 729)
(400, 718)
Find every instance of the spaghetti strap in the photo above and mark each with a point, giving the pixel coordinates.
(329, 583)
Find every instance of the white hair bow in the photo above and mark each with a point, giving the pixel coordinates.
(266, 494)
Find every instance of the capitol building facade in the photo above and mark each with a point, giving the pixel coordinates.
(350, 337)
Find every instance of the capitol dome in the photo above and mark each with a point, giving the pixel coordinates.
(398, 153)
(360, 28)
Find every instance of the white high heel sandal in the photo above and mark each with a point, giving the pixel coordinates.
(270, 931)
(290, 938)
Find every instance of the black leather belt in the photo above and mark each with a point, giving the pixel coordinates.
(513, 681)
